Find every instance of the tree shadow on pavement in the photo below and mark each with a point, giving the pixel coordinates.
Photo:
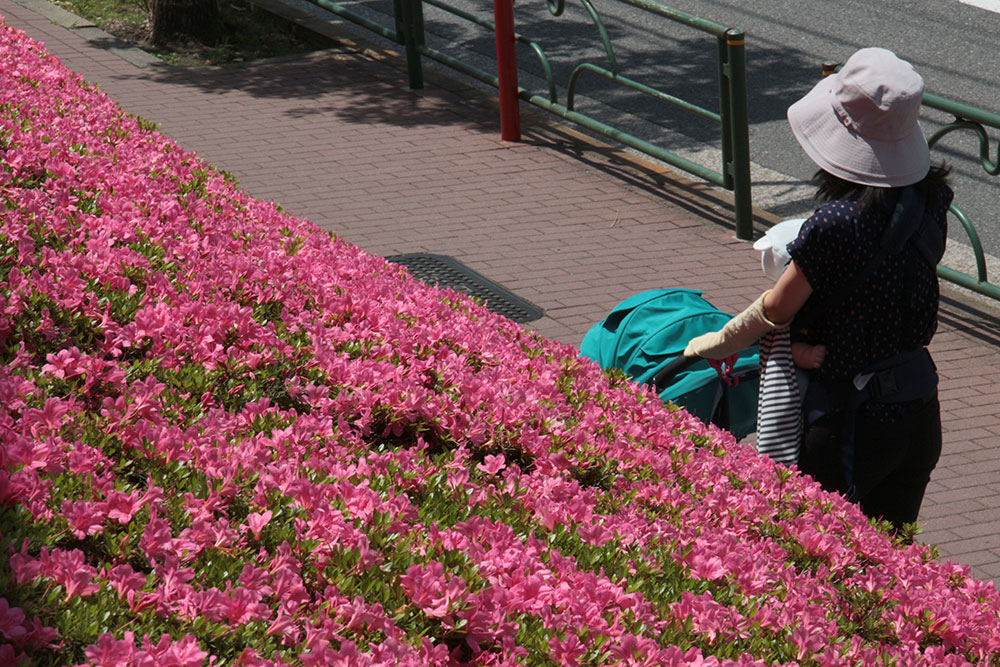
(351, 85)
(360, 82)
(370, 84)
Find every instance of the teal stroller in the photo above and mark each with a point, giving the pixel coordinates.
(645, 336)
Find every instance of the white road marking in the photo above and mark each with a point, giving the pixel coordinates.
(988, 5)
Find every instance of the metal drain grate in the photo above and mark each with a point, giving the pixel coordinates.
(449, 272)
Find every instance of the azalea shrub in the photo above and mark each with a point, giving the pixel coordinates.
(230, 438)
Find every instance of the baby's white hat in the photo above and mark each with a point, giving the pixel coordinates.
(773, 246)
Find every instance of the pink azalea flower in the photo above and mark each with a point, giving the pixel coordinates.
(547, 513)
(492, 464)
(64, 364)
(594, 534)
(85, 518)
(283, 625)
(126, 581)
(11, 621)
(154, 495)
(111, 652)
(121, 507)
(438, 594)
(51, 416)
(69, 569)
(182, 653)
(568, 651)
(8, 656)
(707, 566)
(41, 637)
(156, 539)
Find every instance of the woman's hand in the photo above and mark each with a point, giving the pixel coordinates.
(742, 331)
(772, 310)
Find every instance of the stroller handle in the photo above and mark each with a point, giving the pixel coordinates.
(667, 373)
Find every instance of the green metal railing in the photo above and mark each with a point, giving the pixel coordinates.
(734, 172)
(967, 119)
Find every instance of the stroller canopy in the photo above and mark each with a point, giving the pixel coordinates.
(646, 332)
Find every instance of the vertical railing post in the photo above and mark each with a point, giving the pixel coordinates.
(738, 120)
(409, 16)
(725, 110)
(510, 112)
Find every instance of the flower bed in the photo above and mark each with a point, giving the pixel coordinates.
(231, 438)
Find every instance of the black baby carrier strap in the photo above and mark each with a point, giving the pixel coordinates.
(907, 376)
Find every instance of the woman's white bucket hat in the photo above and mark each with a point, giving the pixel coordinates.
(861, 124)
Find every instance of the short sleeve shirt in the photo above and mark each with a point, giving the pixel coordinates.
(893, 311)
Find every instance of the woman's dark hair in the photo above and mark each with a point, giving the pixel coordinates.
(830, 187)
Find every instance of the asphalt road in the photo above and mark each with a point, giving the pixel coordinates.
(951, 44)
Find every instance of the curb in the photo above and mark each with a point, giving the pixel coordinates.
(90, 32)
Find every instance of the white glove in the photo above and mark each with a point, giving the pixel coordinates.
(741, 332)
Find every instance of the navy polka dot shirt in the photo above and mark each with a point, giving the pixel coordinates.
(895, 310)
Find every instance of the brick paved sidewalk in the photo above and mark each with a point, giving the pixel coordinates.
(338, 138)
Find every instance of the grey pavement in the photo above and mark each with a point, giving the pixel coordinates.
(572, 226)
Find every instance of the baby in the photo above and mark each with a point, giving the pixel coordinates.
(773, 259)
(784, 365)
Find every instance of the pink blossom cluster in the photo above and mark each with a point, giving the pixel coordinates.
(230, 438)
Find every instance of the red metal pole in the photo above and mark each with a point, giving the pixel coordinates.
(510, 111)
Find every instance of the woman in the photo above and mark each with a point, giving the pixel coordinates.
(862, 283)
